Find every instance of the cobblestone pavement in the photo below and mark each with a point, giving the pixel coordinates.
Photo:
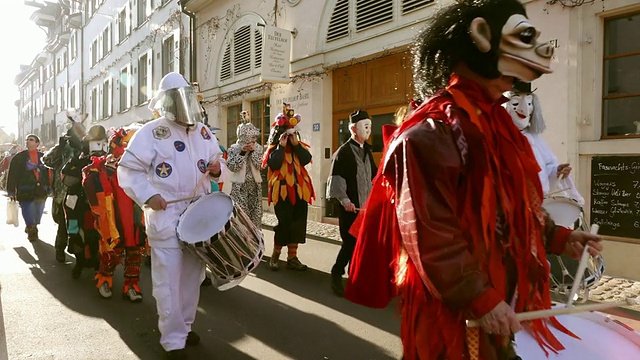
(608, 289)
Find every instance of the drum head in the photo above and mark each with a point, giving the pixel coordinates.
(204, 217)
(562, 211)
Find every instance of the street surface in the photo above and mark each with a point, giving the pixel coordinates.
(45, 314)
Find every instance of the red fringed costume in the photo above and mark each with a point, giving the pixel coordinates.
(450, 253)
(118, 219)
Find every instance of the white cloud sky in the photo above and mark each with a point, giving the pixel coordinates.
(22, 41)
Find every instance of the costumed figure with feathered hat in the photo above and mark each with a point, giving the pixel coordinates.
(290, 187)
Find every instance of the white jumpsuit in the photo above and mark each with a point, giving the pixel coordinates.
(164, 158)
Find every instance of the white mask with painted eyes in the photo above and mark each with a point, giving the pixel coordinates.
(363, 129)
(520, 107)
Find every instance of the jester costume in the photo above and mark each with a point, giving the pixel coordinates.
(118, 219)
(290, 187)
(458, 184)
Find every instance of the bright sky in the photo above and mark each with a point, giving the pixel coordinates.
(22, 41)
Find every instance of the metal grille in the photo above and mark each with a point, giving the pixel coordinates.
(225, 69)
(242, 50)
(339, 23)
(258, 48)
(411, 5)
(370, 13)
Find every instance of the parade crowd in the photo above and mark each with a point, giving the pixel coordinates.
(451, 220)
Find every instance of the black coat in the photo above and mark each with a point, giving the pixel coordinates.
(344, 165)
(22, 182)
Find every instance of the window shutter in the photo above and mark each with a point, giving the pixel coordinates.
(225, 69)
(257, 35)
(411, 5)
(339, 23)
(370, 13)
(242, 50)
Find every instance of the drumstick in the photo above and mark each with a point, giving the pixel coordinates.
(556, 192)
(543, 314)
(581, 267)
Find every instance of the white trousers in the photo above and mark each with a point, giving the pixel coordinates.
(176, 278)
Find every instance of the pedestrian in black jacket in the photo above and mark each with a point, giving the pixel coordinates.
(28, 183)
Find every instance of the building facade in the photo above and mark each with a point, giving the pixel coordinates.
(354, 54)
(103, 57)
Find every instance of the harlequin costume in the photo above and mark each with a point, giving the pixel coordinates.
(118, 219)
(459, 185)
(290, 187)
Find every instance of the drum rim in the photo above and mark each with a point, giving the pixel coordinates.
(192, 206)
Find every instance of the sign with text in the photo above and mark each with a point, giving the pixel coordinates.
(615, 195)
(276, 55)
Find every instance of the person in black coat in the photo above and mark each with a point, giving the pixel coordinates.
(28, 183)
(352, 172)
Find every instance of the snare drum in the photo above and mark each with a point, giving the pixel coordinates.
(601, 338)
(220, 234)
(566, 212)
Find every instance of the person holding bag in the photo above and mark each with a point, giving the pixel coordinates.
(28, 183)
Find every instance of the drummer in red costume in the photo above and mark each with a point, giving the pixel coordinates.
(467, 236)
(118, 219)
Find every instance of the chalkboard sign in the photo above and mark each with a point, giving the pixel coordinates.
(615, 195)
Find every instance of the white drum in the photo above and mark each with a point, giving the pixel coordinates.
(220, 234)
(601, 338)
(562, 210)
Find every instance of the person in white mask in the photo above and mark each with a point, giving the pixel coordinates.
(352, 172)
(526, 113)
(166, 160)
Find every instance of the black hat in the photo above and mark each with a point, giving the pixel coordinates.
(95, 133)
(358, 115)
(522, 87)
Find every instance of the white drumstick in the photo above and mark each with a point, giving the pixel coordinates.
(544, 314)
(581, 267)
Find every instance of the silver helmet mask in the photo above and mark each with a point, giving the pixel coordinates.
(180, 105)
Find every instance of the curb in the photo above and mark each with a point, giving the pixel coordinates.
(310, 236)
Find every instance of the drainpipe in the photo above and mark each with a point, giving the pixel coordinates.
(192, 43)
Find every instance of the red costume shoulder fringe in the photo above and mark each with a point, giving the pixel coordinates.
(381, 269)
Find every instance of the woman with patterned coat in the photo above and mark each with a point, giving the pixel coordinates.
(244, 161)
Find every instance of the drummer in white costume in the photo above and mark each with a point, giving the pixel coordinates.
(165, 160)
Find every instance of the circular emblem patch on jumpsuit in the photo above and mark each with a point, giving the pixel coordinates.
(163, 170)
(202, 166)
(179, 145)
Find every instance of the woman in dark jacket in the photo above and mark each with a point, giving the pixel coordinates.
(28, 183)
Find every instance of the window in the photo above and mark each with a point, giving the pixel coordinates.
(106, 99)
(93, 49)
(125, 88)
(368, 14)
(621, 93)
(143, 11)
(243, 51)
(61, 99)
(261, 118)
(106, 41)
(144, 78)
(168, 55)
(73, 47)
(233, 117)
(124, 23)
(94, 103)
(73, 96)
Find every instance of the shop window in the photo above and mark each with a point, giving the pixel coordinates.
(233, 118)
(621, 78)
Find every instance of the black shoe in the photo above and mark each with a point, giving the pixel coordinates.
(77, 269)
(179, 354)
(61, 257)
(336, 285)
(192, 338)
(295, 264)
